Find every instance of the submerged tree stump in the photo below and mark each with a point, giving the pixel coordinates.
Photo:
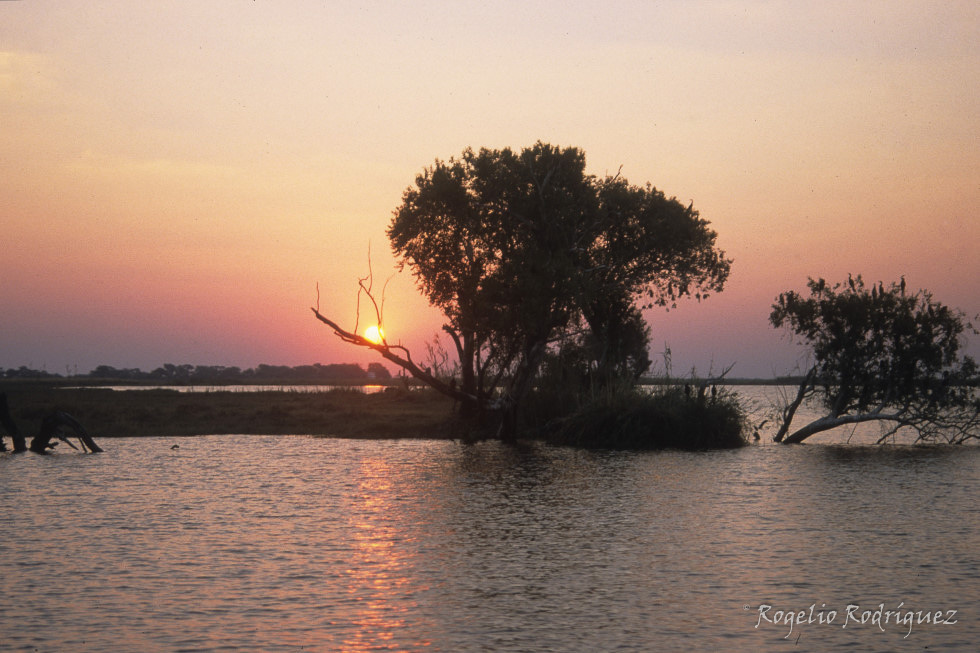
(51, 427)
(8, 424)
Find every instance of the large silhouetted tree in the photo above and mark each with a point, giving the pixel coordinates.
(524, 252)
(881, 354)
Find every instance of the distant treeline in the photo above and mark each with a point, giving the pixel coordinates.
(779, 380)
(334, 373)
(331, 374)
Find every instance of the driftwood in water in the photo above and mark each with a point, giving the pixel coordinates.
(8, 424)
(51, 427)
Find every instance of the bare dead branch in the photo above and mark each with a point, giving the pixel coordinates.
(389, 352)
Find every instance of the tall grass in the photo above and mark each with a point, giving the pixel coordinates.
(666, 418)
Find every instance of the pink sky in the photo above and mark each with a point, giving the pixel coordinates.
(176, 178)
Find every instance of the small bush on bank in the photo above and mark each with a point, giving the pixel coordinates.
(667, 419)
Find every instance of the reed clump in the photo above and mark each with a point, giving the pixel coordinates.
(666, 418)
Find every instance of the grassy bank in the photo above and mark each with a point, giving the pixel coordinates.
(337, 413)
(632, 420)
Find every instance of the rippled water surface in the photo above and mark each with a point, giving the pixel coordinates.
(292, 543)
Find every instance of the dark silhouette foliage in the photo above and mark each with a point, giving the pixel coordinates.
(526, 255)
(881, 354)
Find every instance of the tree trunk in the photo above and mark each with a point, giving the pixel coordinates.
(520, 387)
(830, 422)
(789, 411)
(466, 352)
(50, 426)
(20, 443)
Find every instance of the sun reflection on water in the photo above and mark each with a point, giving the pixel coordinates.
(379, 569)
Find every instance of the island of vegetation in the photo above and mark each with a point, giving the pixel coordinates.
(542, 273)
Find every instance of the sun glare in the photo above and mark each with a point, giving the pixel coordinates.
(374, 333)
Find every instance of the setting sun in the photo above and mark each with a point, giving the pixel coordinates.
(375, 334)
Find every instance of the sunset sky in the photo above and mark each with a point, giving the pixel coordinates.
(177, 177)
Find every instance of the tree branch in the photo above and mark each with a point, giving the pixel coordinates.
(789, 411)
(830, 422)
(404, 362)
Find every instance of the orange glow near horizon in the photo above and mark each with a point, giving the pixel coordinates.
(175, 192)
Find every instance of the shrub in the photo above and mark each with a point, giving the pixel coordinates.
(669, 418)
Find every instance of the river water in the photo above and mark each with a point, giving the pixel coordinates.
(291, 543)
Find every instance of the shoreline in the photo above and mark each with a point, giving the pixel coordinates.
(669, 419)
(349, 413)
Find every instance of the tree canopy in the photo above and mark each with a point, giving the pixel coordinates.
(524, 252)
(881, 354)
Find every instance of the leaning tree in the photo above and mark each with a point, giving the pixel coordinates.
(524, 252)
(881, 355)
